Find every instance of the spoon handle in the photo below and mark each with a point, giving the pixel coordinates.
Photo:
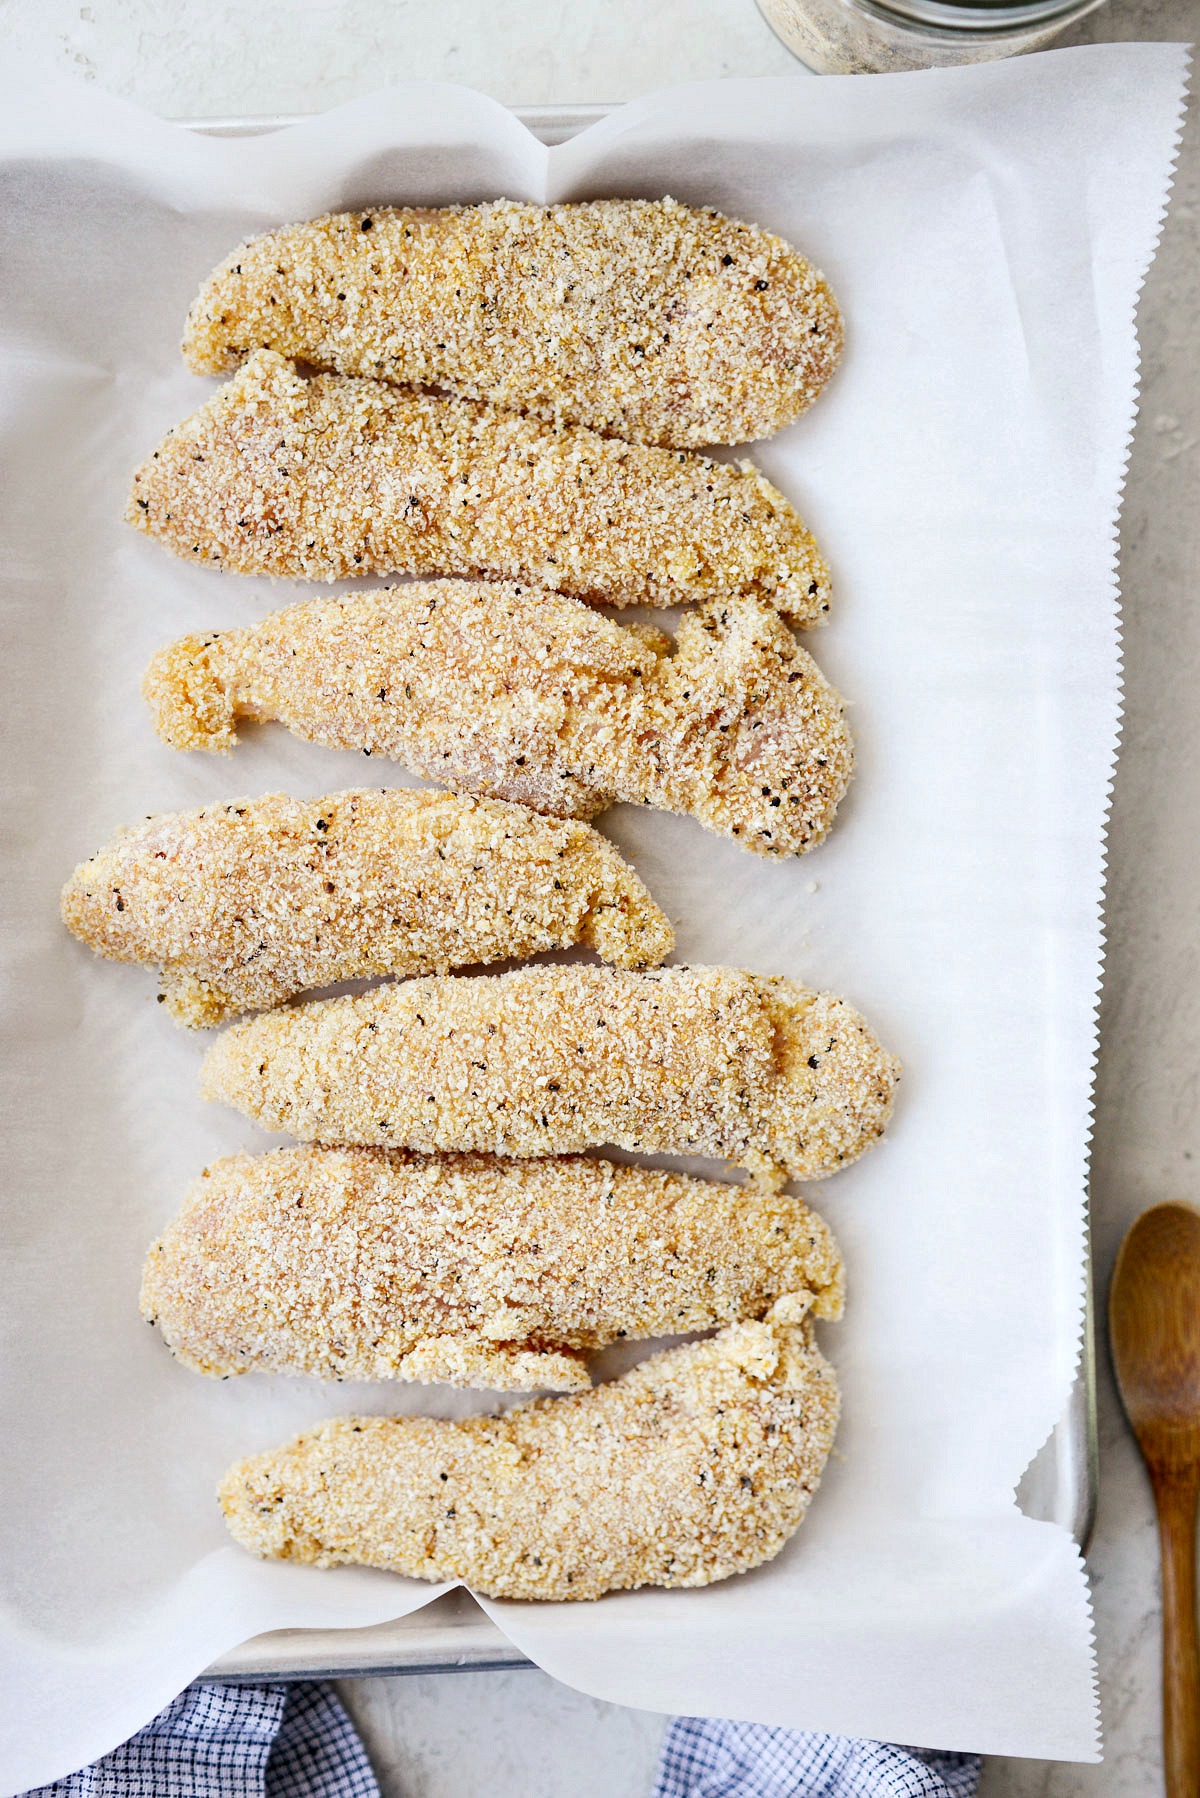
(1176, 1500)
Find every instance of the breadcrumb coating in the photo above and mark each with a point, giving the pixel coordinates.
(544, 1060)
(329, 477)
(533, 697)
(373, 1264)
(245, 905)
(644, 319)
(698, 1464)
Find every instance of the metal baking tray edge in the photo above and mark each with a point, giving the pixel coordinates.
(452, 1634)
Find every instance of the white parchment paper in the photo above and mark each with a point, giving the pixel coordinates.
(986, 231)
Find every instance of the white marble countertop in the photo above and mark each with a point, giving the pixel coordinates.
(518, 1735)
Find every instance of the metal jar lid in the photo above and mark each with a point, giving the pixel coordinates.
(980, 15)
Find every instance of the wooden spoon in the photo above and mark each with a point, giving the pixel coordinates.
(1154, 1328)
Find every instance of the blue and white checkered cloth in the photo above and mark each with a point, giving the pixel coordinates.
(704, 1758)
(213, 1741)
(296, 1741)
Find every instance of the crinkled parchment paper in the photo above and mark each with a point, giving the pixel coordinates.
(986, 231)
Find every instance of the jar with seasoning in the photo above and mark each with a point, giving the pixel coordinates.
(856, 37)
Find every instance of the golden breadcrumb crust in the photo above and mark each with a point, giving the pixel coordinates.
(645, 319)
(373, 1264)
(698, 1464)
(550, 1060)
(535, 698)
(319, 479)
(245, 905)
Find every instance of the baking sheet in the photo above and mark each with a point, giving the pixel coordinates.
(986, 231)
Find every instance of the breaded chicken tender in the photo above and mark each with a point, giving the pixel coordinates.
(644, 319)
(753, 1070)
(373, 1264)
(534, 698)
(698, 1464)
(245, 905)
(319, 479)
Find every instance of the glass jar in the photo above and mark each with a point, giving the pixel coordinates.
(857, 37)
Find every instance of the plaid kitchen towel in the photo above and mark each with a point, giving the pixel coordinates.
(296, 1741)
(710, 1759)
(292, 1741)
